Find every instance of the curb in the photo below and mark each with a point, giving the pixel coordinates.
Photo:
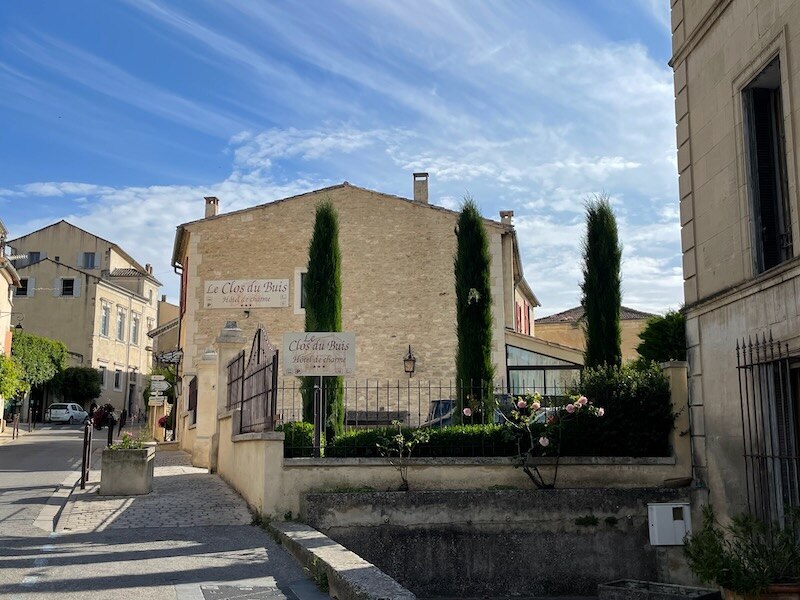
(349, 576)
(51, 513)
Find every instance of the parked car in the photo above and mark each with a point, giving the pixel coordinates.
(66, 412)
(440, 412)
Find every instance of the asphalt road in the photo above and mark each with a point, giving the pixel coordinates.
(31, 469)
(176, 563)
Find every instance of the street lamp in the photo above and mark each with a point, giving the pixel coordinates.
(409, 362)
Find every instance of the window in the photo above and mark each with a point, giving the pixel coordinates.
(67, 287)
(102, 369)
(766, 169)
(89, 260)
(34, 257)
(121, 315)
(134, 329)
(118, 379)
(22, 290)
(299, 290)
(151, 323)
(105, 318)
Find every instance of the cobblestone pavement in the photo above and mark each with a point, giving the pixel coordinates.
(182, 494)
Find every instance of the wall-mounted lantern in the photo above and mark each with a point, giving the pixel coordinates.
(409, 362)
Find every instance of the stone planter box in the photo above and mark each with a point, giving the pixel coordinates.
(127, 472)
(631, 589)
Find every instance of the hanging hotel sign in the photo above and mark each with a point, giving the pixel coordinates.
(323, 353)
(247, 293)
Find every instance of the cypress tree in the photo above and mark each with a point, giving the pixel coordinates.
(601, 288)
(323, 289)
(474, 368)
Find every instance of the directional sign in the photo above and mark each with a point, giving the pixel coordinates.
(157, 378)
(154, 393)
(156, 401)
(159, 386)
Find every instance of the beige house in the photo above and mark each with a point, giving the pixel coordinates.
(397, 284)
(9, 281)
(566, 328)
(92, 295)
(736, 88)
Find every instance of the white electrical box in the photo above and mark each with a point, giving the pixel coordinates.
(670, 523)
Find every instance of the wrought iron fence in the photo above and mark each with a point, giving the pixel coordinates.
(379, 405)
(769, 428)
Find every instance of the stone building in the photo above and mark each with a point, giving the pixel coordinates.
(92, 295)
(566, 328)
(736, 87)
(9, 281)
(397, 283)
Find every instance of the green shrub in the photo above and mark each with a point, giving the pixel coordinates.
(638, 414)
(455, 440)
(299, 439)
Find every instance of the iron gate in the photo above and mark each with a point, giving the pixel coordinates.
(253, 387)
(769, 428)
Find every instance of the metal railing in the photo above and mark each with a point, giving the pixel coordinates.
(386, 405)
(769, 428)
(86, 455)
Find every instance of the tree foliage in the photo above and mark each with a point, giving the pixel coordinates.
(601, 288)
(474, 368)
(11, 378)
(323, 289)
(664, 338)
(79, 384)
(41, 358)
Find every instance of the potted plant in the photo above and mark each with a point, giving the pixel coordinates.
(127, 468)
(748, 558)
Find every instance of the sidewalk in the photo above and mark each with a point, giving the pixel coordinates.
(190, 539)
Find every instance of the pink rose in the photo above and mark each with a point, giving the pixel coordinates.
(536, 406)
(544, 442)
(601, 412)
(583, 401)
(522, 404)
(570, 408)
(468, 412)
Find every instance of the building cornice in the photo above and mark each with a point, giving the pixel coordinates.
(699, 32)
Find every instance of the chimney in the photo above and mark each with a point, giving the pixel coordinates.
(212, 206)
(163, 297)
(421, 187)
(506, 216)
(149, 268)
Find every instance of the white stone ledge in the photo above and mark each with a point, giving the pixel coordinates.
(264, 436)
(503, 461)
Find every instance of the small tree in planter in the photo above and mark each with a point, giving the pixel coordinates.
(127, 468)
(747, 558)
(398, 449)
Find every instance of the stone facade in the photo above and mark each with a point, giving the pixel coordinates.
(722, 51)
(566, 328)
(397, 280)
(105, 289)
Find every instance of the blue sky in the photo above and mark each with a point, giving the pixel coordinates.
(120, 117)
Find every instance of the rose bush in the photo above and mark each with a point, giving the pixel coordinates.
(537, 430)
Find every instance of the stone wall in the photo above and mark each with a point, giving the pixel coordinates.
(477, 543)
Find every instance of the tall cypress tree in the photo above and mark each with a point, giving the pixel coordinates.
(323, 289)
(602, 296)
(474, 368)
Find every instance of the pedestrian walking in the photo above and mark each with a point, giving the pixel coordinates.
(123, 417)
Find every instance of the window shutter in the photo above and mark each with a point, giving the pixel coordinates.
(57, 286)
(76, 290)
(79, 260)
(31, 287)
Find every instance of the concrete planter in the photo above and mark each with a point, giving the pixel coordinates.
(127, 472)
(631, 589)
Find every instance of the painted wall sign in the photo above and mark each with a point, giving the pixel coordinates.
(247, 293)
(319, 353)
